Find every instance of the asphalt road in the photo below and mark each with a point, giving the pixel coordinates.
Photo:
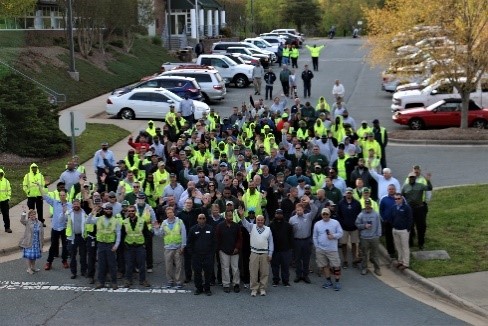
(51, 298)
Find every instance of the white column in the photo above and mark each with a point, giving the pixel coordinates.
(193, 23)
(38, 23)
(201, 23)
(222, 18)
(209, 23)
(216, 22)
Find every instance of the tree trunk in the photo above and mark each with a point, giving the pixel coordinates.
(464, 109)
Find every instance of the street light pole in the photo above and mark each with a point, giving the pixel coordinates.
(197, 22)
(72, 70)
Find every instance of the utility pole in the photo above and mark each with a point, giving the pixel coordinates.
(197, 14)
(252, 17)
(72, 70)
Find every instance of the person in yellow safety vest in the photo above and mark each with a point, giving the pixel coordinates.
(201, 157)
(364, 130)
(366, 195)
(75, 230)
(151, 128)
(132, 161)
(381, 136)
(5, 194)
(337, 129)
(171, 122)
(253, 200)
(319, 128)
(174, 235)
(372, 161)
(144, 211)
(315, 53)
(108, 238)
(30, 186)
(270, 143)
(285, 60)
(232, 157)
(125, 185)
(213, 119)
(150, 189)
(318, 178)
(322, 105)
(294, 54)
(371, 143)
(78, 167)
(302, 131)
(134, 232)
(171, 114)
(161, 178)
(342, 164)
(248, 129)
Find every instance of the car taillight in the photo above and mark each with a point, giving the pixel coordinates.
(218, 87)
(109, 101)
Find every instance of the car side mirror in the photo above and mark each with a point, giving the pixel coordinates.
(225, 65)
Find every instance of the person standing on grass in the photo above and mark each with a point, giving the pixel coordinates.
(5, 193)
(33, 240)
(401, 222)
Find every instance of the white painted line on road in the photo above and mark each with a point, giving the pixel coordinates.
(12, 285)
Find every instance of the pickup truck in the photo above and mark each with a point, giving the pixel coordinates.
(435, 92)
(238, 74)
(171, 65)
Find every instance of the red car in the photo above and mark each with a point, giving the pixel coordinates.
(444, 113)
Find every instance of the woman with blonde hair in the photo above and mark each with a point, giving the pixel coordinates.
(33, 240)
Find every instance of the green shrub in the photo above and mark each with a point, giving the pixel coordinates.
(31, 123)
(156, 40)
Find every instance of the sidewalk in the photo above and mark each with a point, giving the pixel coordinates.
(467, 291)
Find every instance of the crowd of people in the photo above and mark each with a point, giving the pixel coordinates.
(272, 184)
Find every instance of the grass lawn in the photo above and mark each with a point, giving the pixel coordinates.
(86, 145)
(458, 223)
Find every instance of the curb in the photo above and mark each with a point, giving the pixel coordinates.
(436, 142)
(439, 290)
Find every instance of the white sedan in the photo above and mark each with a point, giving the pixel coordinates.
(148, 103)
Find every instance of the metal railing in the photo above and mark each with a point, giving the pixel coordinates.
(54, 97)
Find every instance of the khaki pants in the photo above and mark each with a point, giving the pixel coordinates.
(400, 238)
(258, 266)
(257, 85)
(229, 262)
(173, 260)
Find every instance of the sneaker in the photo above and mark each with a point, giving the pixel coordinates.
(8, 230)
(65, 264)
(237, 288)
(30, 271)
(36, 270)
(168, 285)
(306, 279)
(364, 271)
(115, 287)
(345, 264)
(127, 284)
(197, 292)
(337, 286)
(226, 289)
(402, 267)
(327, 284)
(377, 272)
(254, 293)
(263, 293)
(48, 266)
(286, 284)
(179, 286)
(276, 283)
(99, 286)
(149, 270)
(145, 284)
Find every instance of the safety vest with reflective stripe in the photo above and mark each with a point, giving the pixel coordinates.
(172, 237)
(134, 235)
(106, 233)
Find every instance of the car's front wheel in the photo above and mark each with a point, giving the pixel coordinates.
(480, 124)
(416, 124)
(127, 114)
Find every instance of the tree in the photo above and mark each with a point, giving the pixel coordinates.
(301, 12)
(464, 22)
(30, 122)
(14, 8)
(235, 13)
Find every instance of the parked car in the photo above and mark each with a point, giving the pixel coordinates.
(179, 85)
(211, 82)
(241, 58)
(263, 44)
(274, 40)
(238, 74)
(148, 103)
(439, 90)
(444, 113)
(412, 86)
(263, 58)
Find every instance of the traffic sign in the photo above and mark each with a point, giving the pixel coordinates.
(72, 123)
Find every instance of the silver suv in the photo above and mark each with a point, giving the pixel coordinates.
(211, 82)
